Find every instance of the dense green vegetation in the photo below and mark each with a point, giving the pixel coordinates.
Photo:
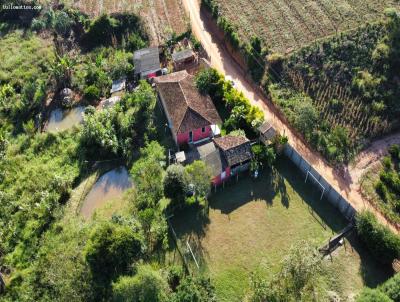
(382, 242)
(24, 77)
(380, 184)
(37, 174)
(234, 108)
(388, 291)
(121, 130)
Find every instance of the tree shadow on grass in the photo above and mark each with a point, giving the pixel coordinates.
(237, 193)
(372, 272)
(321, 209)
(190, 226)
(191, 220)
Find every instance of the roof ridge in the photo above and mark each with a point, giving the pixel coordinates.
(187, 105)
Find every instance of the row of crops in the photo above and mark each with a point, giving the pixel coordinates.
(343, 91)
(286, 25)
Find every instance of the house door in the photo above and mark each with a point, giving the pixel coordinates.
(190, 137)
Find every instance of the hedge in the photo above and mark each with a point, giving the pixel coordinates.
(388, 291)
(381, 241)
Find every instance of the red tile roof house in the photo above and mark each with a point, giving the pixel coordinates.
(192, 117)
(226, 156)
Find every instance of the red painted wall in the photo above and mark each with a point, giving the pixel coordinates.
(217, 180)
(183, 138)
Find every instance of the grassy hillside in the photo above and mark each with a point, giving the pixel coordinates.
(287, 25)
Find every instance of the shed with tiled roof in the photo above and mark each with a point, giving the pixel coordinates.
(236, 149)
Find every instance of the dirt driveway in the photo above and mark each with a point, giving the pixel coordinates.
(206, 31)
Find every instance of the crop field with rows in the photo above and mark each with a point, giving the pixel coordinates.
(161, 17)
(286, 25)
(344, 86)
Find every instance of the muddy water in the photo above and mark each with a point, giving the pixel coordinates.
(110, 185)
(65, 119)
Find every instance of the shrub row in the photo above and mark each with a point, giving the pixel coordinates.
(388, 291)
(381, 241)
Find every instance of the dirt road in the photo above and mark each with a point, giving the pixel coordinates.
(205, 30)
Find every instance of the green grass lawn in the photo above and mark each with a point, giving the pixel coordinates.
(252, 224)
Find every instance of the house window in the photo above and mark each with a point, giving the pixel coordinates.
(203, 129)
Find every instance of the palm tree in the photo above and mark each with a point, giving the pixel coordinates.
(62, 70)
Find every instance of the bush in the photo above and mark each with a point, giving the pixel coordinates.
(194, 289)
(175, 184)
(108, 30)
(63, 23)
(371, 295)
(38, 25)
(91, 94)
(392, 288)
(383, 243)
(111, 249)
(263, 154)
(394, 151)
(147, 285)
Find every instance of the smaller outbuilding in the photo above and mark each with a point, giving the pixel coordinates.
(226, 156)
(267, 132)
(184, 58)
(110, 102)
(236, 150)
(118, 87)
(147, 63)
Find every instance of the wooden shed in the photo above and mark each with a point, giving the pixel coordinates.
(183, 59)
(267, 132)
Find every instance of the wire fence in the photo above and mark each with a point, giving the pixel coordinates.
(328, 192)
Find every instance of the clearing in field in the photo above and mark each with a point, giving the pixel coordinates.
(252, 224)
(161, 17)
(286, 25)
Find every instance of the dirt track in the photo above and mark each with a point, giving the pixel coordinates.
(371, 156)
(206, 31)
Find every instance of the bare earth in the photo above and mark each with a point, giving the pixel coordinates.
(205, 30)
(371, 156)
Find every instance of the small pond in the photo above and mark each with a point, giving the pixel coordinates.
(61, 120)
(110, 185)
